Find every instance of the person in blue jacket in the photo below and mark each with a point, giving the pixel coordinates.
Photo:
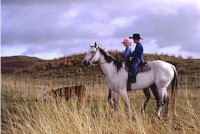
(128, 49)
(137, 55)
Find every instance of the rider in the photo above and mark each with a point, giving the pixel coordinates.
(137, 55)
(128, 50)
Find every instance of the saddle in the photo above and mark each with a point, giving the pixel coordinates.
(142, 66)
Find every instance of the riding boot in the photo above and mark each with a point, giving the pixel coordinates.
(131, 78)
(133, 74)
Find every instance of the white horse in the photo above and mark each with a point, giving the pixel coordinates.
(160, 75)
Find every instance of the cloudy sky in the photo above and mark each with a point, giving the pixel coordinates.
(54, 28)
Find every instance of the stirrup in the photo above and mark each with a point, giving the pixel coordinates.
(133, 80)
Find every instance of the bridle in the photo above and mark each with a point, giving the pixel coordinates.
(94, 55)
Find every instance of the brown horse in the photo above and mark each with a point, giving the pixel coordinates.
(66, 93)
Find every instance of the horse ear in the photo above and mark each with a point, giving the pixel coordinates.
(95, 44)
(90, 45)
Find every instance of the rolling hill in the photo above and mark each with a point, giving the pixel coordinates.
(72, 65)
(15, 63)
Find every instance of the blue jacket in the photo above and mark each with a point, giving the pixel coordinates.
(138, 53)
(127, 51)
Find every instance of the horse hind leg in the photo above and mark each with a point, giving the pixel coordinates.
(163, 101)
(146, 91)
(166, 103)
(155, 92)
(148, 96)
(161, 94)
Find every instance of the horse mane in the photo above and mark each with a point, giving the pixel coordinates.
(109, 59)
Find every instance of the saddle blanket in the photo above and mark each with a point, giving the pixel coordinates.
(145, 68)
(142, 67)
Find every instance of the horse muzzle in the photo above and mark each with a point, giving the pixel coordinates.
(86, 63)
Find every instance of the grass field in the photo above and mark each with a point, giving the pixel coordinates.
(24, 112)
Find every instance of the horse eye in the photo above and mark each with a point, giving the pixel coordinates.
(92, 52)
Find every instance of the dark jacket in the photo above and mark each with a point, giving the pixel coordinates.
(138, 53)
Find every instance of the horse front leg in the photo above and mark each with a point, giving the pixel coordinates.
(110, 96)
(115, 99)
(124, 95)
(115, 96)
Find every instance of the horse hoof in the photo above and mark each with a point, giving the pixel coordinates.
(166, 116)
(158, 117)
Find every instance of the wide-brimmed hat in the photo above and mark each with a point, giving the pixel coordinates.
(126, 41)
(135, 36)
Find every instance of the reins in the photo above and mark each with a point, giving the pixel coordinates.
(94, 55)
(103, 62)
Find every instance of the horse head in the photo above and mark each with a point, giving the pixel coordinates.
(45, 95)
(92, 55)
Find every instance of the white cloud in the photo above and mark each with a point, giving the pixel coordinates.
(12, 50)
(52, 26)
(123, 21)
(150, 46)
(47, 55)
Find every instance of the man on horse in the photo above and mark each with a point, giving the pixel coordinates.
(136, 56)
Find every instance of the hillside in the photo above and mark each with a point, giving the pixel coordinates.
(15, 63)
(72, 65)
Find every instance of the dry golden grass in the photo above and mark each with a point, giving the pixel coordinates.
(23, 111)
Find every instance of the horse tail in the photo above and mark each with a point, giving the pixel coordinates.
(174, 84)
